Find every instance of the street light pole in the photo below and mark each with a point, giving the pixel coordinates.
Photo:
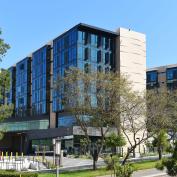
(57, 145)
(53, 141)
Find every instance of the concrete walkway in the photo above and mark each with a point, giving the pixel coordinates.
(147, 173)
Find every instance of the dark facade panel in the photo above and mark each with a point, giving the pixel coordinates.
(11, 93)
(23, 88)
(41, 60)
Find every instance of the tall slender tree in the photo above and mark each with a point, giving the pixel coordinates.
(5, 110)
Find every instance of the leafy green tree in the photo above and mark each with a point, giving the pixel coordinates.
(4, 84)
(5, 110)
(161, 142)
(169, 164)
(114, 140)
(84, 144)
(105, 102)
(113, 163)
(94, 100)
(3, 47)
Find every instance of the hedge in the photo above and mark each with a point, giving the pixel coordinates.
(17, 174)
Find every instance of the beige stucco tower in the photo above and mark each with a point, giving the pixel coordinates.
(131, 61)
(131, 57)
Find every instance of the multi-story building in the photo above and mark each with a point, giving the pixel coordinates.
(39, 115)
(162, 76)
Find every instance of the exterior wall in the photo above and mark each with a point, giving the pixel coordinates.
(131, 57)
(131, 62)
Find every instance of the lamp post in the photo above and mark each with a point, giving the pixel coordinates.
(53, 142)
(57, 152)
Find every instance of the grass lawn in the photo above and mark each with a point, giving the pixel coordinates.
(99, 172)
(144, 165)
(84, 173)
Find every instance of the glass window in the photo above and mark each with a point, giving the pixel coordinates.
(80, 52)
(94, 39)
(94, 55)
(66, 121)
(87, 38)
(99, 41)
(152, 76)
(107, 58)
(80, 36)
(86, 53)
(171, 73)
(99, 56)
(25, 125)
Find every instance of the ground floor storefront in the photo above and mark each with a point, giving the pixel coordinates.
(39, 141)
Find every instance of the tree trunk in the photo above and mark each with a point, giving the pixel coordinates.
(94, 164)
(132, 149)
(126, 157)
(160, 152)
(95, 159)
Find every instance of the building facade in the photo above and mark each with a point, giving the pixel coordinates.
(39, 114)
(163, 76)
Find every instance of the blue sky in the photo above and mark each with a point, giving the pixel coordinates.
(27, 25)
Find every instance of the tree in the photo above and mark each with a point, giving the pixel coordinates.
(4, 84)
(133, 122)
(169, 164)
(84, 144)
(161, 142)
(152, 112)
(113, 140)
(5, 110)
(106, 102)
(163, 107)
(93, 99)
(3, 47)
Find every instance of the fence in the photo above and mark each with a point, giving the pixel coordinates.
(10, 162)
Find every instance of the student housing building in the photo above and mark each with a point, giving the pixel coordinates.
(38, 114)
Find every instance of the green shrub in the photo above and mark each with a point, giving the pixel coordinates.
(171, 166)
(111, 161)
(123, 170)
(17, 174)
(159, 165)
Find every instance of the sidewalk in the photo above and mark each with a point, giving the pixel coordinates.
(146, 173)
